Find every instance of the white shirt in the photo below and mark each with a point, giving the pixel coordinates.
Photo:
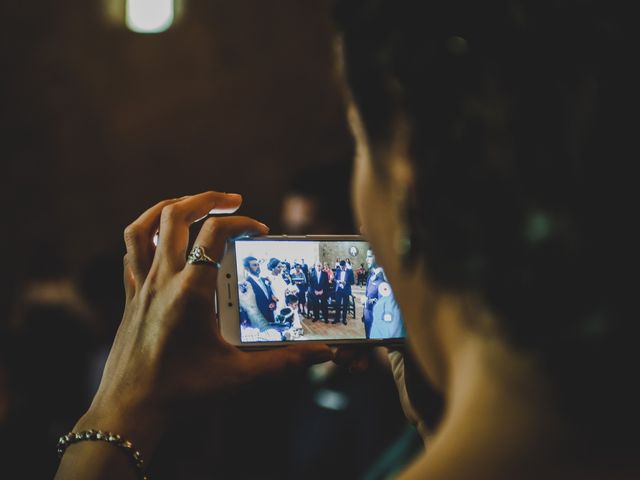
(279, 289)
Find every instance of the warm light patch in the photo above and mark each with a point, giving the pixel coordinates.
(149, 16)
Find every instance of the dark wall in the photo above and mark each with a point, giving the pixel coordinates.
(97, 123)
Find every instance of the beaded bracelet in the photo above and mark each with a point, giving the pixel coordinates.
(133, 454)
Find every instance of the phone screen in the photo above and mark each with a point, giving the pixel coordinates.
(300, 290)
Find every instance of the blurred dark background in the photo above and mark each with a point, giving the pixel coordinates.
(97, 124)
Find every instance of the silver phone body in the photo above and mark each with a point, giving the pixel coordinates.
(235, 290)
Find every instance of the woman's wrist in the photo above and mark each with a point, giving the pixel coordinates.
(137, 424)
(142, 423)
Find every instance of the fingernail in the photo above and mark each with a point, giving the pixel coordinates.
(264, 226)
(235, 195)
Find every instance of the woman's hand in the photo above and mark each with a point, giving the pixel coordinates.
(168, 349)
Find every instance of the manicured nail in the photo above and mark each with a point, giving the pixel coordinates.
(235, 195)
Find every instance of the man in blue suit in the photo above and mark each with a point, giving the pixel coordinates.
(261, 288)
(376, 277)
(319, 292)
(343, 280)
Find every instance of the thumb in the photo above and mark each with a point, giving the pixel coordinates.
(287, 359)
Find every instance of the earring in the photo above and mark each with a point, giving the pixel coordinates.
(403, 243)
(409, 237)
(406, 241)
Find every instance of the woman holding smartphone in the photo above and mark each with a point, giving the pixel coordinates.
(492, 181)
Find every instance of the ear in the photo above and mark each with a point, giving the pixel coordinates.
(403, 179)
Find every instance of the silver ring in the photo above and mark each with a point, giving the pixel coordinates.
(198, 255)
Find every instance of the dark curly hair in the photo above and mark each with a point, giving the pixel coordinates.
(273, 263)
(522, 143)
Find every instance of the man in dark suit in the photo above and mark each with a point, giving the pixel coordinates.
(376, 277)
(299, 279)
(261, 289)
(305, 268)
(318, 292)
(343, 281)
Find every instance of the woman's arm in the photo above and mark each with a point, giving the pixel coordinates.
(168, 350)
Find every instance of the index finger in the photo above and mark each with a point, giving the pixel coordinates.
(176, 218)
(138, 238)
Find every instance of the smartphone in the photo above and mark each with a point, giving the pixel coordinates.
(275, 290)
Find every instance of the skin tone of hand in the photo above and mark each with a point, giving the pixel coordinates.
(168, 349)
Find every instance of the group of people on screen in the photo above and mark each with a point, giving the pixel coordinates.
(276, 295)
